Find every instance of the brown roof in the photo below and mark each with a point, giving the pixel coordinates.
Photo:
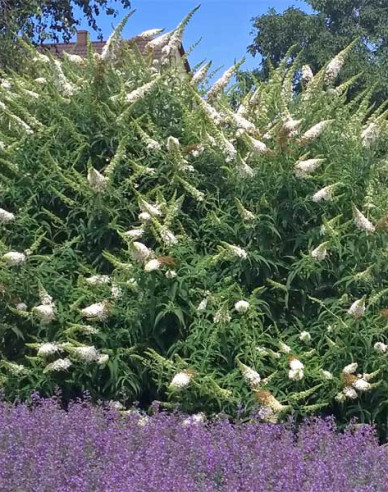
(80, 47)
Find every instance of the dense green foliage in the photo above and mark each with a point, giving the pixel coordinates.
(118, 166)
(331, 26)
(39, 20)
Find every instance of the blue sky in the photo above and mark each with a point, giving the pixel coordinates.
(223, 25)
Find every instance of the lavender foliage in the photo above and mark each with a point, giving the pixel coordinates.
(89, 448)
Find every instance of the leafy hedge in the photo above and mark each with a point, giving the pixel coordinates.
(160, 242)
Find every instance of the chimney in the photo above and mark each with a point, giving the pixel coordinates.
(82, 38)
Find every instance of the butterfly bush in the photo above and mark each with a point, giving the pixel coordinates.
(44, 447)
(190, 231)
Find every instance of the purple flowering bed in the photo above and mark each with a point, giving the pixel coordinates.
(87, 448)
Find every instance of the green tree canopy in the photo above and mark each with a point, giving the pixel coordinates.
(39, 20)
(321, 34)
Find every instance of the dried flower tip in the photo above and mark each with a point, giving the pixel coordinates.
(380, 347)
(13, 258)
(350, 392)
(320, 252)
(58, 365)
(47, 349)
(152, 265)
(86, 353)
(304, 168)
(362, 222)
(357, 309)
(266, 398)
(98, 310)
(305, 336)
(96, 180)
(98, 280)
(350, 368)
(45, 312)
(140, 252)
(181, 380)
(295, 374)
(6, 217)
(241, 306)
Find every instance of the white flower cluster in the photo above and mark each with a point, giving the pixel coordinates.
(245, 171)
(153, 210)
(98, 280)
(314, 132)
(362, 222)
(320, 252)
(325, 194)
(304, 168)
(45, 312)
(222, 316)
(250, 375)
(139, 93)
(48, 348)
(167, 236)
(307, 74)
(181, 380)
(6, 217)
(200, 74)
(98, 310)
(357, 309)
(140, 252)
(89, 353)
(296, 372)
(58, 365)
(149, 34)
(134, 233)
(333, 68)
(221, 83)
(237, 251)
(96, 180)
(152, 265)
(258, 146)
(380, 347)
(14, 258)
(305, 336)
(241, 306)
(197, 418)
(370, 134)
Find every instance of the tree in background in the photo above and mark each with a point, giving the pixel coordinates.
(40, 20)
(321, 34)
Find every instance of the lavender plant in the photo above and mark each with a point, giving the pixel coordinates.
(156, 241)
(95, 448)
